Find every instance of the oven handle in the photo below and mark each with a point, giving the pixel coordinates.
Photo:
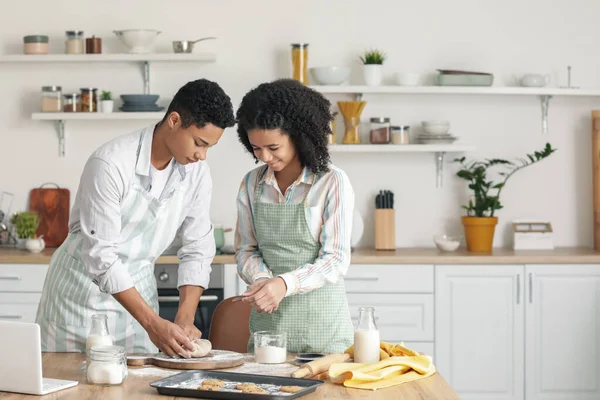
(173, 299)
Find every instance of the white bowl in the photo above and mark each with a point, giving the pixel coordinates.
(330, 75)
(138, 40)
(446, 242)
(436, 127)
(408, 79)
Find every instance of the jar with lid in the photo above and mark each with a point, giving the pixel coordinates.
(89, 99)
(74, 42)
(366, 337)
(35, 44)
(400, 134)
(71, 102)
(380, 131)
(51, 99)
(106, 365)
(300, 62)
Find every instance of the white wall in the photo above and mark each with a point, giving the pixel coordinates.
(504, 37)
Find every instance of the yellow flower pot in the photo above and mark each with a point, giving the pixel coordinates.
(479, 233)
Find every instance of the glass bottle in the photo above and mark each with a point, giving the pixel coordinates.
(351, 134)
(300, 62)
(99, 334)
(366, 337)
(106, 366)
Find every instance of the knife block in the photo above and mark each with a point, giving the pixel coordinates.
(385, 229)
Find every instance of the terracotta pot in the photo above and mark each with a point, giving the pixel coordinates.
(479, 233)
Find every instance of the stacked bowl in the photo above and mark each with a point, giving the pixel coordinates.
(140, 103)
(436, 132)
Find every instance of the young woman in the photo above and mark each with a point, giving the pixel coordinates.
(136, 192)
(294, 220)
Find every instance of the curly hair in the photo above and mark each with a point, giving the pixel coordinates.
(202, 102)
(298, 111)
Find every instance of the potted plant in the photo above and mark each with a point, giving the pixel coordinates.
(480, 222)
(372, 64)
(106, 102)
(26, 224)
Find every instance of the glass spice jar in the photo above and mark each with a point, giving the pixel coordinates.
(74, 42)
(400, 134)
(71, 102)
(380, 131)
(35, 44)
(89, 100)
(300, 62)
(51, 99)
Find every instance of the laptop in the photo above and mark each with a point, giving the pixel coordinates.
(21, 361)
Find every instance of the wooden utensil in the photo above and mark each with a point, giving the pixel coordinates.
(52, 206)
(320, 365)
(216, 359)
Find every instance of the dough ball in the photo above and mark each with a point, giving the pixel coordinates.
(201, 348)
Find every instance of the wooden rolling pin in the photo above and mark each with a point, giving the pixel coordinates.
(320, 365)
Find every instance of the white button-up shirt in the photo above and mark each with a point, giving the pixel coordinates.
(330, 200)
(106, 180)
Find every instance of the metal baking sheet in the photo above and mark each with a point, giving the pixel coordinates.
(185, 384)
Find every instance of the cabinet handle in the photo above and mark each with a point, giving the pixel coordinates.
(10, 278)
(518, 288)
(530, 287)
(11, 316)
(362, 278)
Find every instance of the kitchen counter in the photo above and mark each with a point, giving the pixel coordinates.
(562, 255)
(67, 366)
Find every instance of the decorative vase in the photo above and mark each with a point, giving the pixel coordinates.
(479, 233)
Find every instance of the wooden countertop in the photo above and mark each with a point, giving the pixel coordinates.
(137, 386)
(562, 255)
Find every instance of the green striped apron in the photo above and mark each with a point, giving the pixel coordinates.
(70, 298)
(317, 321)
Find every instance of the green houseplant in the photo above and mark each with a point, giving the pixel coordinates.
(26, 224)
(480, 222)
(372, 65)
(107, 104)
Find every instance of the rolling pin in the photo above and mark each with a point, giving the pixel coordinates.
(320, 365)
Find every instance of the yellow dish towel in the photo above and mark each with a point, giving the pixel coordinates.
(387, 350)
(401, 365)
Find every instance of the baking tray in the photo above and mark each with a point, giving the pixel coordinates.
(185, 384)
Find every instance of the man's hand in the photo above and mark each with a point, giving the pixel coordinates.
(266, 294)
(170, 338)
(188, 327)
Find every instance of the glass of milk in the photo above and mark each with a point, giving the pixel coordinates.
(270, 347)
(99, 334)
(366, 337)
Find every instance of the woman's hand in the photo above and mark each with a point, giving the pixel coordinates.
(266, 294)
(170, 338)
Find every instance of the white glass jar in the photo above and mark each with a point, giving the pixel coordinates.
(99, 334)
(400, 134)
(106, 365)
(51, 99)
(270, 347)
(366, 337)
(74, 42)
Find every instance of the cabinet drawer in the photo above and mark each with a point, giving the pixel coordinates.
(22, 277)
(399, 317)
(19, 307)
(369, 278)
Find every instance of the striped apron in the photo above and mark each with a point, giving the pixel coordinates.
(317, 321)
(70, 298)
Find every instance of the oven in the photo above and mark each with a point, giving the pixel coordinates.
(168, 295)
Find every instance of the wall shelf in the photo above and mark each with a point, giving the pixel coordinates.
(61, 119)
(439, 151)
(544, 94)
(144, 59)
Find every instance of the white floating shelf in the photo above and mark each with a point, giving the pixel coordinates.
(439, 150)
(73, 116)
(119, 57)
(491, 90)
(407, 148)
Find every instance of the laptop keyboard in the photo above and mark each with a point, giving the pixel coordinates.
(49, 384)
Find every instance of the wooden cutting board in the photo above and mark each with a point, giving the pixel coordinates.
(52, 206)
(215, 359)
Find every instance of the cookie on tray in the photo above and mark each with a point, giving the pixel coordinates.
(246, 386)
(255, 390)
(290, 389)
(213, 382)
(209, 388)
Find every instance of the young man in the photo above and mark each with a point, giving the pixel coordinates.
(136, 192)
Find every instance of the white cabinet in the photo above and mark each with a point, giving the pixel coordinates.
(563, 332)
(20, 291)
(479, 330)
